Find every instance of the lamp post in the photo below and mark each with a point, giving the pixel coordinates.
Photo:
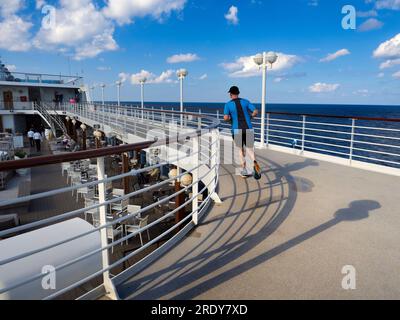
(83, 127)
(142, 82)
(74, 129)
(92, 93)
(102, 86)
(98, 135)
(181, 73)
(262, 60)
(68, 128)
(119, 84)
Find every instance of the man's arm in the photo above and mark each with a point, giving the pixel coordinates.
(227, 116)
(253, 109)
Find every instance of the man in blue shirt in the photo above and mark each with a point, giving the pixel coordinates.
(239, 113)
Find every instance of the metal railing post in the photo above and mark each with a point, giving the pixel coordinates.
(303, 134)
(199, 120)
(267, 129)
(109, 287)
(195, 179)
(125, 116)
(353, 124)
(134, 122)
(215, 163)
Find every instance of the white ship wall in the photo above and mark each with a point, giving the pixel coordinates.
(17, 93)
(17, 123)
(48, 94)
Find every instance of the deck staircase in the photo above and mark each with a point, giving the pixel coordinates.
(52, 119)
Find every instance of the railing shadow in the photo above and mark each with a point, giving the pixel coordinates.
(187, 270)
(357, 210)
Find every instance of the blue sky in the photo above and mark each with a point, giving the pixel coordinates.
(214, 40)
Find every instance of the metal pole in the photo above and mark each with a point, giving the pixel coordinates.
(195, 179)
(303, 134)
(119, 93)
(264, 86)
(102, 95)
(353, 125)
(109, 287)
(268, 115)
(142, 96)
(181, 84)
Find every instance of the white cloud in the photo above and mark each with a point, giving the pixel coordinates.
(320, 87)
(389, 49)
(101, 68)
(14, 31)
(362, 92)
(287, 76)
(123, 76)
(232, 15)
(388, 4)
(370, 24)
(81, 27)
(10, 7)
(367, 14)
(381, 74)
(337, 54)
(389, 64)
(396, 75)
(11, 67)
(15, 34)
(245, 67)
(179, 58)
(124, 11)
(40, 4)
(313, 3)
(203, 77)
(164, 77)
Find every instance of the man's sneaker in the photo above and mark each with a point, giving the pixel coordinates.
(257, 171)
(244, 173)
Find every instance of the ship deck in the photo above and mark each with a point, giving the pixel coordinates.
(287, 236)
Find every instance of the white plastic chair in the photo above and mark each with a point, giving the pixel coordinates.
(133, 228)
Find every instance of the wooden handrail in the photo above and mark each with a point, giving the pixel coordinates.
(72, 156)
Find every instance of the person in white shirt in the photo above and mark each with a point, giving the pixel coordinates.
(30, 136)
(38, 138)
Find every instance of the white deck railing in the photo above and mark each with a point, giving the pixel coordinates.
(371, 143)
(199, 137)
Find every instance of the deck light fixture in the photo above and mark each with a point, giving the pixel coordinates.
(119, 84)
(182, 74)
(262, 60)
(102, 86)
(142, 82)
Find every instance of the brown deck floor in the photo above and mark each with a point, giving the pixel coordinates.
(46, 178)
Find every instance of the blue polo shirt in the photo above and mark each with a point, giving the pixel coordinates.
(237, 121)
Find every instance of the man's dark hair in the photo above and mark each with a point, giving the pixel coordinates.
(234, 90)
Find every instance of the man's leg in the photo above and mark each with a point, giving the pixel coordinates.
(251, 153)
(239, 144)
(37, 145)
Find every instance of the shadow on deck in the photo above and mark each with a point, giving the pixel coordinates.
(275, 238)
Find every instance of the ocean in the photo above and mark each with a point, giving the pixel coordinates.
(381, 111)
(373, 141)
